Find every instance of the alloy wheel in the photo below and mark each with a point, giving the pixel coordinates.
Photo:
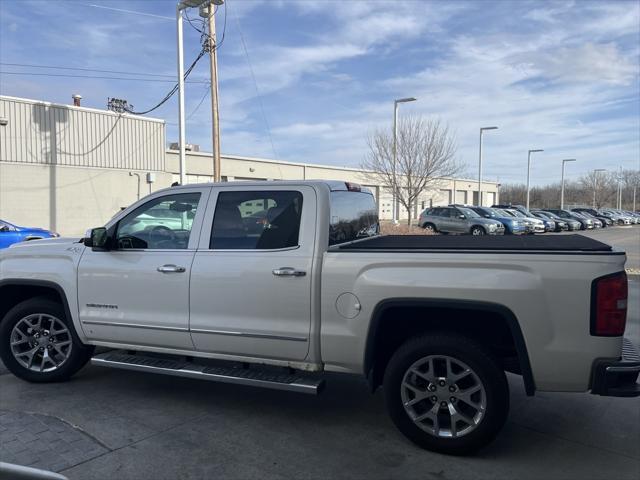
(443, 396)
(41, 342)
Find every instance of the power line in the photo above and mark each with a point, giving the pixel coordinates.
(204, 34)
(122, 10)
(174, 89)
(255, 83)
(36, 74)
(195, 110)
(81, 69)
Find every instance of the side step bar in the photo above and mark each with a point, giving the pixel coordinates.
(225, 374)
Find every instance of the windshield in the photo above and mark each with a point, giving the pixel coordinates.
(516, 213)
(468, 212)
(502, 213)
(490, 211)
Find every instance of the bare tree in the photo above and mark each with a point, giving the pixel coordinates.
(599, 185)
(580, 192)
(425, 154)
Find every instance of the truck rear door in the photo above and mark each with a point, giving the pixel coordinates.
(250, 291)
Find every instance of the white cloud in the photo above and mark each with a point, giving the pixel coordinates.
(598, 63)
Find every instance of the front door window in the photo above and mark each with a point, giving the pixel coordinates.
(162, 223)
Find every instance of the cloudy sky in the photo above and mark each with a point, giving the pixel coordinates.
(308, 80)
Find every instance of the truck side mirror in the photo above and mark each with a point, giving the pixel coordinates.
(462, 216)
(98, 239)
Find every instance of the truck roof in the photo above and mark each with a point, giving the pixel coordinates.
(334, 185)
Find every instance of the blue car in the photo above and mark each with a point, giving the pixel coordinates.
(10, 234)
(512, 225)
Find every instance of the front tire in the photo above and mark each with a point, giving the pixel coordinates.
(446, 393)
(430, 227)
(476, 231)
(38, 342)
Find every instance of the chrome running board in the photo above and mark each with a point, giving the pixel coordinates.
(254, 376)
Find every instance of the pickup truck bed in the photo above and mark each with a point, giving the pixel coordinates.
(458, 244)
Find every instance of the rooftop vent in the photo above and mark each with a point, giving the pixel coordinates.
(189, 147)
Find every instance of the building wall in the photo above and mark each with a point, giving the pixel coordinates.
(46, 133)
(70, 168)
(68, 199)
(200, 169)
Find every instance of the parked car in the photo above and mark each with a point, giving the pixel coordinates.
(596, 222)
(436, 321)
(604, 219)
(572, 224)
(635, 218)
(458, 220)
(512, 225)
(10, 234)
(553, 225)
(535, 225)
(585, 223)
(617, 218)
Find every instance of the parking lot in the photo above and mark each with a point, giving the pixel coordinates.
(124, 425)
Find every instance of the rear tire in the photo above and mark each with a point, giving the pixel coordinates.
(38, 342)
(476, 403)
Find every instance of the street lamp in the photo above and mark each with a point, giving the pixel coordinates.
(182, 5)
(595, 183)
(479, 167)
(529, 170)
(394, 202)
(562, 181)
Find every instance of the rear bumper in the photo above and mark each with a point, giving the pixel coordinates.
(614, 378)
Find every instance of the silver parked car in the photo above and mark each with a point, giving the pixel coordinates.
(459, 220)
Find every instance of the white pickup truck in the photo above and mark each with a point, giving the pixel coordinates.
(270, 284)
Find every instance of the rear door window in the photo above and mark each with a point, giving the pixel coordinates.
(256, 220)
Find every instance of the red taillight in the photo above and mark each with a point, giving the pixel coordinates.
(609, 305)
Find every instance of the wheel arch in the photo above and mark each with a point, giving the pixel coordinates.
(376, 355)
(14, 291)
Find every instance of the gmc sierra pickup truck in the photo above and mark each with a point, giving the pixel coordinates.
(270, 284)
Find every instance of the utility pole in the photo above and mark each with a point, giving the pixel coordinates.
(208, 11)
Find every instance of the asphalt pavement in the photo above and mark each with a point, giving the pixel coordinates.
(111, 424)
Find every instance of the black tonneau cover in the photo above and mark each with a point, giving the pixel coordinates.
(547, 243)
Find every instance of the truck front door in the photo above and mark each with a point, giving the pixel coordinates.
(138, 292)
(251, 279)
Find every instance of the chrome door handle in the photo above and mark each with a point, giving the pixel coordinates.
(288, 272)
(171, 269)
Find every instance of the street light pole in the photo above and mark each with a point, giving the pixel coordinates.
(181, 116)
(562, 181)
(529, 171)
(595, 183)
(480, 166)
(183, 4)
(394, 202)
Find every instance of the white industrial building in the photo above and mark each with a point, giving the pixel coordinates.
(68, 168)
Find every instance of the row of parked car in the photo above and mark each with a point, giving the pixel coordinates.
(517, 220)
